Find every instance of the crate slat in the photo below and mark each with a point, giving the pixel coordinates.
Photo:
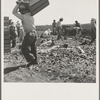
(6, 23)
(6, 36)
(7, 50)
(7, 41)
(38, 6)
(6, 18)
(6, 32)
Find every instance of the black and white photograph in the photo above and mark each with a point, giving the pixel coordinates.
(50, 41)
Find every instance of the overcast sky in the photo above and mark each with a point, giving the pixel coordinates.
(70, 10)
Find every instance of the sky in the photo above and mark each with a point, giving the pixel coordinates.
(69, 10)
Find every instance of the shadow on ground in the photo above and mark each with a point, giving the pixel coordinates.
(11, 69)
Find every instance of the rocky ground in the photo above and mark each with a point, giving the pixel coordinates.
(57, 63)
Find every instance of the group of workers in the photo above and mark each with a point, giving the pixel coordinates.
(16, 33)
(58, 29)
(29, 42)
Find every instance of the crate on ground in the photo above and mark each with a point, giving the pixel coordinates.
(6, 35)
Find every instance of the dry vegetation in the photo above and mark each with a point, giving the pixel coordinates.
(56, 63)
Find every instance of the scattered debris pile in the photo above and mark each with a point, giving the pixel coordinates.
(59, 62)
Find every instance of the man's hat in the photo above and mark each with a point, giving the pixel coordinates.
(76, 21)
(92, 19)
(61, 19)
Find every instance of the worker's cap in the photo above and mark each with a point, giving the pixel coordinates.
(76, 21)
(92, 19)
(61, 19)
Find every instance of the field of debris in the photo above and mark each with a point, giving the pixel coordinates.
(59, 61)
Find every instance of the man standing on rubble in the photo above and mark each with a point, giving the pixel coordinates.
(54, 26)
(59, 28)
(28, 45)
(93, 30)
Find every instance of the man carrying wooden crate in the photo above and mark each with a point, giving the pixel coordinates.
(28, 45)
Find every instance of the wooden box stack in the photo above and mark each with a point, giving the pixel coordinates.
(37, 5)
(6, 35)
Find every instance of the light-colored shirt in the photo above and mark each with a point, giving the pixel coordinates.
(18, 25)
(28, 22)
(93, 25)
(58, 24)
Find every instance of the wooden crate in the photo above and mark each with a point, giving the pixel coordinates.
(6, 41)
(6, 36)
(7, 48)
(6, 18)
(6, 28)
(37, 5)
(6, 23)
(6, 32)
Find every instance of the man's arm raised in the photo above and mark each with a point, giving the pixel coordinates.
(15, 12)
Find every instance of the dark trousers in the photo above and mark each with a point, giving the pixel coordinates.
(29, 47)
(13, 41)
(93, 35)
(18, 31)
(58, 33)
(54, 30)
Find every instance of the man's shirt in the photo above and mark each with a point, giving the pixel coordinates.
(58, 24)
(28, 23)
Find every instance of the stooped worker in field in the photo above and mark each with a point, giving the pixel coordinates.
(21, 10)
(54, 26)
(78, 28)
(12, 35)
(59, 28)
(93, 30)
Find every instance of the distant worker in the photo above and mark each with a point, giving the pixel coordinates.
(12, 35)
(59, 28)
(10, 21)
(78, 28)
(93, 30)
(18, 28)
(22, 34)
(54, 26)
